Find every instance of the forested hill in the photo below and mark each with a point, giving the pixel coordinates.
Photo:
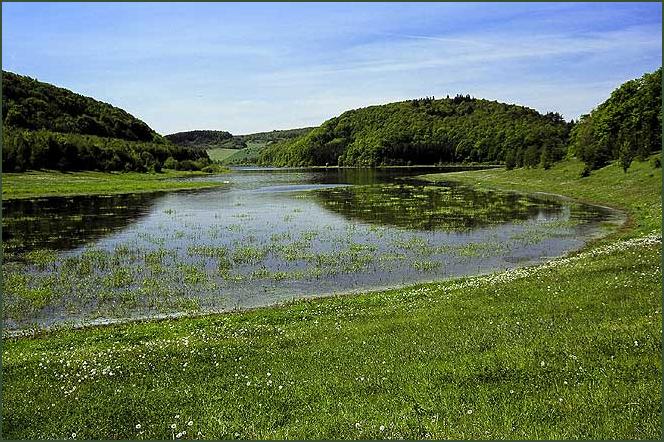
(33, 105)
(627, 125)
(212, 139)
(203, 139)
(48, 127)
(274, 136)
(427, 131)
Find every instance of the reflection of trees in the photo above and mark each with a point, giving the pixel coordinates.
(364, 176)
(64, 223)
(432, 207)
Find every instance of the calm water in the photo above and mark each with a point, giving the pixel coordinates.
(269, 236)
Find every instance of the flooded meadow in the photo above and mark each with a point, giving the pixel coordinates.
(268, 236)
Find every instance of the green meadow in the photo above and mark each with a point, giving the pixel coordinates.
(566, 349)
(220, 154)
(54, 183)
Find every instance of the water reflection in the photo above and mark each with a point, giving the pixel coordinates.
(448, 208)
(66, 223)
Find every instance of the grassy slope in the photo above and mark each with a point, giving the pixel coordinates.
(248, 155)
(220, 154)
(570, 350)
(51, 183)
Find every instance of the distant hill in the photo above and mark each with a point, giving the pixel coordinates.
(205, 139)
(627, 125)
(428, 131)
(273, 136)
(48, 127)
(212, 139)
(248, 146)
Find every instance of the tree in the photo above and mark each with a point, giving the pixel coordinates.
(546, 158)
(626, 155)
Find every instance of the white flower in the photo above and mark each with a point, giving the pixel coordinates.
(190, 423)
(73, 435)
(382, 428)
(542, 364)
(469, 411)
(138, 426)
(173, 426)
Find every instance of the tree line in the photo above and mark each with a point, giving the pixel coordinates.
(626, 126)
(41, 149)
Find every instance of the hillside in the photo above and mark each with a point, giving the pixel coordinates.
(33, 105)
(205, 139)
(627, 125)
(48, 127)
(273, 136)
(211, 139)
(427, 131)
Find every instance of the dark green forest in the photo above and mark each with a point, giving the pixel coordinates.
(48, 127)
(626, 126)
(428, 131)
(42, 149)
(211, 139)
(273, 136)
(205, 139)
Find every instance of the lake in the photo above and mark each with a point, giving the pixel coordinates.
(269, 236)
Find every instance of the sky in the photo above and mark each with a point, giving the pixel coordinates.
(250, 67)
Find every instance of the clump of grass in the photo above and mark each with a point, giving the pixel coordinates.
(41, 258)
(249, 254)
(119, 278)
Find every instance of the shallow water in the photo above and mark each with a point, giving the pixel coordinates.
(269, 236)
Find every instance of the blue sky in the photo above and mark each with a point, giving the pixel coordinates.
(252, 67)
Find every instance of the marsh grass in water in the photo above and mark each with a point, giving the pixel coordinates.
(196, 249)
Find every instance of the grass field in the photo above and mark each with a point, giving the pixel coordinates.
(52, 183)
(220, 154)
(248, 155)
(569, 349)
